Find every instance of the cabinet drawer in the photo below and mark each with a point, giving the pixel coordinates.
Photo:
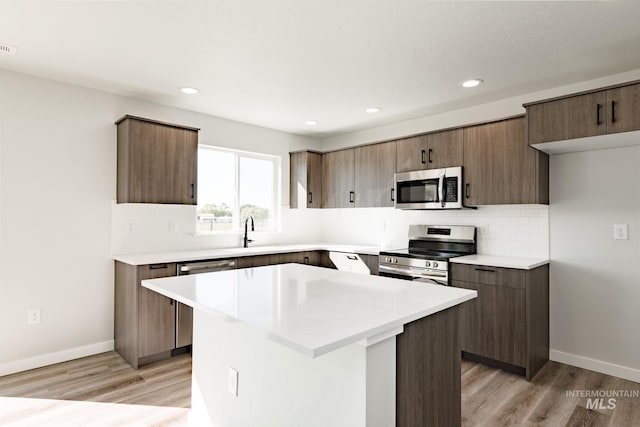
(487, 275)
(156, 271)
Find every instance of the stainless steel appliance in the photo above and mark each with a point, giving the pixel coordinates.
(429, 189)
(184, 313)
(427, 257)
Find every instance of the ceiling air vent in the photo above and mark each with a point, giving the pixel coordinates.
(8, 49)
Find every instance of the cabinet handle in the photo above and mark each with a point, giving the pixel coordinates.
(430, 153)
(422, 152)
(171, 302)
(352, 196)
(613, 111)
(310, 197)
(466, 190)
(193, 191)
(598, 107)
(485, 269)
(393, 191)
(158, 266)
(306, 260)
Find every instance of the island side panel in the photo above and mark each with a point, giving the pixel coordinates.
(428, 383)
(279, 386)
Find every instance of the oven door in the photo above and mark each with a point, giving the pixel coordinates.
(419, 275)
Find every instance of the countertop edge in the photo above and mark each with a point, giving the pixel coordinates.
(501, 261)
(225, 253)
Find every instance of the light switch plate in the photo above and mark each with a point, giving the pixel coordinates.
(621, 231)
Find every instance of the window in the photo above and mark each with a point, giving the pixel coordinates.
(233, 185)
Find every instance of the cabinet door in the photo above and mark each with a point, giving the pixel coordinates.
(297, 180)
(374, 168)
(325, 260)
(314, 180)
(411, 154)
(494, 323)
(297, 257)
(163, 164)
(184, 325)
(623, 112)
(252, 261)
(311, 258)
(338, 179)
(499, 167)
(567, 118)
(156, 313)
(305, 184)
(444, 149)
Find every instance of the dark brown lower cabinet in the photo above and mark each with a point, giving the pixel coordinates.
(144, 321)
(149, 326)
(371, 261)
(508, 323)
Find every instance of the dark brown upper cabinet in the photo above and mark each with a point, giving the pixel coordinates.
(374, 168)
(411, 154)
(305, 186)
(157, 162)
(500, 168)
(431, 151)
(338, 180)
(593, 113)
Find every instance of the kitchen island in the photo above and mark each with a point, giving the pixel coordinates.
(317, 347)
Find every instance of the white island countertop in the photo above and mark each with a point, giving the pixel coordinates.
(221, 253)
(501, 261)
(313, 310)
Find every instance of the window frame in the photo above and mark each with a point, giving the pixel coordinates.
(237, 225)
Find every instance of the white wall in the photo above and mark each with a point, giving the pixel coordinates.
(595, 280)
(57, 178)
(479, 113)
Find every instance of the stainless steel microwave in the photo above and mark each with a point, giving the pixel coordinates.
(429, 189)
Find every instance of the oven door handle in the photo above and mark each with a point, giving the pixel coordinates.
(412, 272)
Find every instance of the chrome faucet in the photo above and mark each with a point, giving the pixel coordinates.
(246, 239)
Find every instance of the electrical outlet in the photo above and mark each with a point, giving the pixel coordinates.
(130, 227)
(621, 231)
(233, 382)
(172, 226)
(33, 316)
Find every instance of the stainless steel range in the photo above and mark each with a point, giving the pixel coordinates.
(430, 249)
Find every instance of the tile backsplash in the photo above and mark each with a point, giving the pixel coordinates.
(513, 230)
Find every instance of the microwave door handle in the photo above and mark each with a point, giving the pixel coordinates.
(441, 190)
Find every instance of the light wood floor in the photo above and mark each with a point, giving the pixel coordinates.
(490, 397)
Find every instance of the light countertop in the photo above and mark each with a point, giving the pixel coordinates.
(313, 310)
(501, 261)
(220, 253)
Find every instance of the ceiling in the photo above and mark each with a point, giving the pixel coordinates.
(278, 63)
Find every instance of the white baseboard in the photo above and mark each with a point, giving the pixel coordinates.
(56, 357)
(596, 365)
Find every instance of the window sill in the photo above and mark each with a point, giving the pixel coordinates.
(233, 233)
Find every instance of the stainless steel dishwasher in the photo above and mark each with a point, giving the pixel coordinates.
(184, 313)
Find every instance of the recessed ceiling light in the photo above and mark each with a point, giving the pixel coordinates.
(471, 83)
(189, 90)
(372, 110)
(6, 48)
(311, 122)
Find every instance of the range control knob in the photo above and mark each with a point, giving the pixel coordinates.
(395, 260)
(435, 264)
(427, 264)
